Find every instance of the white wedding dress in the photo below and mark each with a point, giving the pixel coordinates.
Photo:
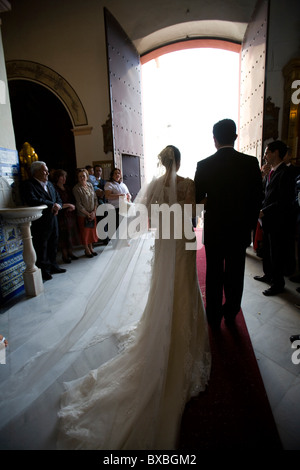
(136, 400)
(121, 372)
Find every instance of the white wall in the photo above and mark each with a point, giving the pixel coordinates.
(68, 37)
(7, 136)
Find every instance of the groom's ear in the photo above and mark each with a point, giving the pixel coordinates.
(217, 145)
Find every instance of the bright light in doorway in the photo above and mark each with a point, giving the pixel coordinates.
(184, 94)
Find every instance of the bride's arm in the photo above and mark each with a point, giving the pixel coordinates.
(190, 196)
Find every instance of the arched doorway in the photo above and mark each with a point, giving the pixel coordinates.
(187, 87)
(41, 119)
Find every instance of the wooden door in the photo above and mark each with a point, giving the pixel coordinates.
(252, 92)
(124, 75)
(131, 174)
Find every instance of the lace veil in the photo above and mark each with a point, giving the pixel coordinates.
(100, 323)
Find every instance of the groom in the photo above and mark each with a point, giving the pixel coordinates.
(229, 184)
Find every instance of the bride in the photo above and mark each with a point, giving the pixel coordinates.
(133, 353)
(136, 400)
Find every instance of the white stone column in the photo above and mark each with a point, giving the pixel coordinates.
(32, 275)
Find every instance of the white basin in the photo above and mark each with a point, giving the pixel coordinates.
(22, 214)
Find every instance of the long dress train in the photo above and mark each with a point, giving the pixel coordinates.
(114, 367)
(136, 400)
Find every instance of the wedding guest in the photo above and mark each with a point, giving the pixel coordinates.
(296, 277)
(86, 206)
(67, 220)
(99, 184)
(291, 231)
(91, 177)
(230, 185)
(258, 233)
(51, 174)
(39, 191)
(287, 159)
(276, 214)
(114, 189)
(3, 340)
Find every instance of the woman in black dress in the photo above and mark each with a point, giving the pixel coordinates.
(67, 221)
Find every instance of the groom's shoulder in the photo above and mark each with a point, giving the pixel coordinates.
(250, 160)
(206, 161)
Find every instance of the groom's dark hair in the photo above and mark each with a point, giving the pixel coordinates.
(225, 132)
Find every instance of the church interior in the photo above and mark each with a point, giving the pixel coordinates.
(60, 91)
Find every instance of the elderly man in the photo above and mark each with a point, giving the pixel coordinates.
(38, 191)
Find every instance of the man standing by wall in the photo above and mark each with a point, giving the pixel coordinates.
(229, 184)
(277, 216)
(38, 191)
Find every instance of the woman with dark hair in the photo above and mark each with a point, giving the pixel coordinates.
(114, 189)
(67, 222)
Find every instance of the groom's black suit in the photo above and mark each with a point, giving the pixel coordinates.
(45, 229)
(232, 185)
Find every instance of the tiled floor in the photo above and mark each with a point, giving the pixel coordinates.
(270, 322)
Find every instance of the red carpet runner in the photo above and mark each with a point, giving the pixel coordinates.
(234, 412)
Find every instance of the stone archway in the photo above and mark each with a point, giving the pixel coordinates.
(35, 72)
(47, 113)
